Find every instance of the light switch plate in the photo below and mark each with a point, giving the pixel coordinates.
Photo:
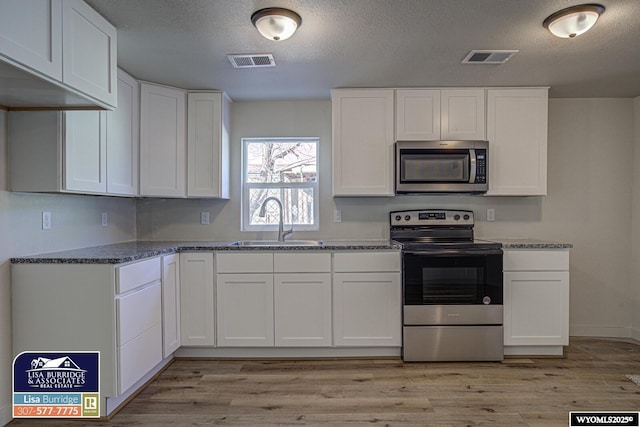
(46, 220)
(105, 219)
(337, 215)
(204, 218)
(491, 214)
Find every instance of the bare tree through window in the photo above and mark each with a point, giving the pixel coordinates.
(285, 169)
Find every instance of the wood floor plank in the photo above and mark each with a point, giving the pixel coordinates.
(534, 392)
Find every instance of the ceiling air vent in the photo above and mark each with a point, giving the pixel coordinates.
(252, 61)
(488, 56)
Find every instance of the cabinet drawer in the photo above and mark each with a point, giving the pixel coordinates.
(536, 260)
(138, 312)
(366, 261)
(246, 262)
(302, 262)
(139, 356)
(131, 276)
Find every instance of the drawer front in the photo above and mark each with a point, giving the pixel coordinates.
(302, 262)
(138, 312)
(366, 261)
(137, 357)
(133, 275)
(536, 260)
(246, 262)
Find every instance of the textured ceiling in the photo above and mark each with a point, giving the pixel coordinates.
(375, 43)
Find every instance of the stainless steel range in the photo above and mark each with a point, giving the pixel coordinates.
(452, 287)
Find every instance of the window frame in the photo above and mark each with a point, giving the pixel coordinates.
(245, 223)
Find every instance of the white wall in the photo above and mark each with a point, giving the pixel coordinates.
(635, 258)
(588, 202)
(75, 223)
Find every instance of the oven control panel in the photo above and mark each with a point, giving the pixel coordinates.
(431, 217)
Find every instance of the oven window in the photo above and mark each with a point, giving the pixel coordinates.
(434, 168)
(450, 285)
(452, 279)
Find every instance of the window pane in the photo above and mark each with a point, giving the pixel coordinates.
(297, 205)
(274, 161)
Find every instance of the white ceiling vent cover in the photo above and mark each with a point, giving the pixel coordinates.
(252, 61)
(489, 56)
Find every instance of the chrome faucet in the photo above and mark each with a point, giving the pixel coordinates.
(281, 232)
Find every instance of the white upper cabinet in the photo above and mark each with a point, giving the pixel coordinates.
(123, 139)
(363, 123)
(31, 34)
(163, 146)
(89, 54)
(434, 114)
(417, 114)
(56, 54)
(208, 144)
(462, 115)
(55, 151)
(85, 152)
(517, 134)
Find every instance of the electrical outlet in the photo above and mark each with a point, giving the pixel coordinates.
(46, 220)
(105, 219)
(491, 214)
(204, 218)
(337, 215)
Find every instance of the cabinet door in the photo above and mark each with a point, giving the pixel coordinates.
(302, 310)
(162, 141)
(417, 114)
(462, 115)
(139, 334)
(31, 34)
(517, 134)
(197, 320)
(123, 140)
(170, 304)
(362, 142)
(85, 153)
(208, 145)
(536, 308)
(244, 305)
(367, 309)
(89, 53)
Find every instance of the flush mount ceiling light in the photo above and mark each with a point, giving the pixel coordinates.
(573, 21)
(276, 23)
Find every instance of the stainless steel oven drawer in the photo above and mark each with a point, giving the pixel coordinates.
(471, 314)
(452, 343)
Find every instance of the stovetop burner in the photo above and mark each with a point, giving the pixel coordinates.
(436, 229)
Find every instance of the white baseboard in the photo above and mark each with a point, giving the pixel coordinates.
(634, 333)
(599, 331)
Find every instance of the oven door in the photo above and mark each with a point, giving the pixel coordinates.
(453, 276)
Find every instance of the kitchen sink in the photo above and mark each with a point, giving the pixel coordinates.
(276, 243)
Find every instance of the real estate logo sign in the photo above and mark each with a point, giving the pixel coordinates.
(56, 385)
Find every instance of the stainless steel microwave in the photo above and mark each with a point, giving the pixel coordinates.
(441, 167)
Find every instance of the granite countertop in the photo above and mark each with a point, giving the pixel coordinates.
(131, 251)
(522, 243)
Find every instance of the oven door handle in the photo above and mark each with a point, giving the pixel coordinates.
(455, 252)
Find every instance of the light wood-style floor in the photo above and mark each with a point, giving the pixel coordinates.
(516, 392)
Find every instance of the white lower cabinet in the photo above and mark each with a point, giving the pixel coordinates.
(302, 310)
(197, 318)
(536, 301)
(267, 299)
(113, 309)
(245, 310)
(367, 299)
(139, 320)
(170, 304)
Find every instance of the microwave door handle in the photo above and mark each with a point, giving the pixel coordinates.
(472, 172)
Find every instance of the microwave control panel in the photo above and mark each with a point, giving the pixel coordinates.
(481, 167)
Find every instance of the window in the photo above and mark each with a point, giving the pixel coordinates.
(284, 168)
